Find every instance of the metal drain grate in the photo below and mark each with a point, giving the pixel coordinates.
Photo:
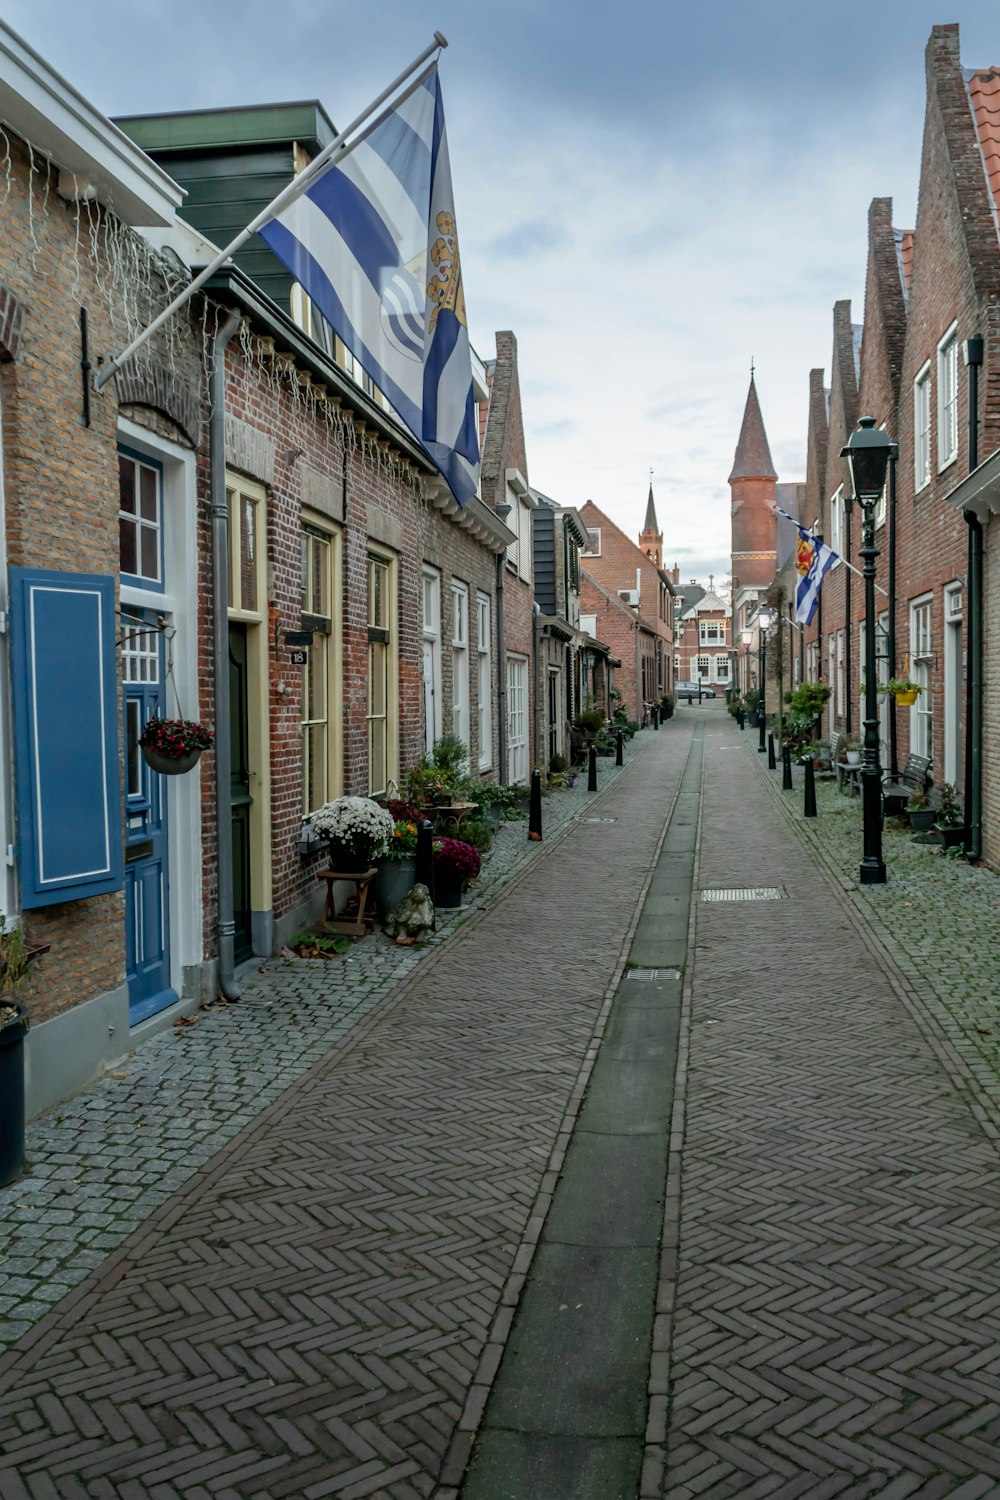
(597, 820)
(745, 893)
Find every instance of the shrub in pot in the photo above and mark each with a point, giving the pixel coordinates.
(455, 864)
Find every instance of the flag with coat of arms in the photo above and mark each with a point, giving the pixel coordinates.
(373, 242)
(813, 560)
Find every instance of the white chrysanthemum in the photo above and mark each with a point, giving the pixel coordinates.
(357, 823)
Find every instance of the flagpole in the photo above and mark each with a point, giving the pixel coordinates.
(336, 147)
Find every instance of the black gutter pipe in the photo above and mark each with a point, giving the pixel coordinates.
(890, 644)
(848, 646)
(974, 348)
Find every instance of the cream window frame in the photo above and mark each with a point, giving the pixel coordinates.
(484, 652)
(922, 428)
(385, 557)
(947, 399)
(313, 525)
(239, 489)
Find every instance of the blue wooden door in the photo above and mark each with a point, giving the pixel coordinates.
(147, 928)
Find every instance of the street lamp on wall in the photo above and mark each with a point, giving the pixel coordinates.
(867, 452)
(764, 621)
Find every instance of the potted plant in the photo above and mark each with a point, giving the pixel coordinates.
(15, 957)
(173, 746)
(903, 689)
(397, 868)
(852, 749)
(356, 830)
(949, 819)
(751, 702)
(455, 864)
(919, 810)
(493, 800)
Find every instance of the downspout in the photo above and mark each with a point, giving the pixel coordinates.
(501, 675)
(890, 644)
(536, 614)
(220, 660)
(848, 642)
(640, 709)
(974, 650)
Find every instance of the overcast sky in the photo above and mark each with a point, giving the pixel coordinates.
(648, 194)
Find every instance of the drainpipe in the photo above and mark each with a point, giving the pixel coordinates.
(502, 511)
(640, 702)
(974, 652)
(536, 613)
(848, 644)
(890, 644)
(220, 660)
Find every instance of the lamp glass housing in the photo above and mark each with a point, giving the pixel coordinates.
(867, 452)
(764, 617)
(746, 636)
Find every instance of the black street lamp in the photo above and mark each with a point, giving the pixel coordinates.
(867, 452)
(763, 625)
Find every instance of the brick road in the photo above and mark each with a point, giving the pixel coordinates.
(836, 1323)
(305, 1315)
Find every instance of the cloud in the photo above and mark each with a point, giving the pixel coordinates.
(528, 238)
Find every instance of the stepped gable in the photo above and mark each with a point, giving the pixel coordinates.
(753, 455)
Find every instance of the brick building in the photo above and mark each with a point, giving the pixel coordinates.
(505, 489)
(703, 637)
(632, 642)
(341, 530)
(99, 518)
(562, 651)
(635, 574)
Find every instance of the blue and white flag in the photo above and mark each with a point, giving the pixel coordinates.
(812, 562)
(373, 243)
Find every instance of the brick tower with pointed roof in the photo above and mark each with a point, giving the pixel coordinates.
(752, 483)
(651, 537)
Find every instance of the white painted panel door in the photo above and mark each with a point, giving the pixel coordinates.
(517, 719)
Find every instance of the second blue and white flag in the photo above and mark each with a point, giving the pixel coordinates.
(373, 242)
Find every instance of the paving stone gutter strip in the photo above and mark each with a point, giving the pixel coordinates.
(567, 1413)
(306, 1315)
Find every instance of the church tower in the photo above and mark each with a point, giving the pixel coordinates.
(752, 483)
(651, 538)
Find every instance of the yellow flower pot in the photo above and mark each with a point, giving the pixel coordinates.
(907, 699)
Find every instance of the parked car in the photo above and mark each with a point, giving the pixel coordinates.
(689, 690)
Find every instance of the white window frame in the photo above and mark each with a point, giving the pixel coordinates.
(921, 658)
(517, 719)
(953, 655)
(709, 633)
(430, 593)
(922, 428)
(704, 666)
(947, 399)
(381, 557)
(324, 653)
(142, 525)
(841, 676)
(592, 548)
(484, 636)
(836, 537)
(461, 722)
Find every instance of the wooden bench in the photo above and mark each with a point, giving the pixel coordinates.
(913, 778)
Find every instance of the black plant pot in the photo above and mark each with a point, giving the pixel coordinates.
(950, 836)
(12, 1096)
(170, 765)
(448, 888)
(921, 819)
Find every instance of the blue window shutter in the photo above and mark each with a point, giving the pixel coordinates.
(65, 684)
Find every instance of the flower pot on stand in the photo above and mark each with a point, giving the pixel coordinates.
(395, 880)
(853, 757)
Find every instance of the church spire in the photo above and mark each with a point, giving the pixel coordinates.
(753, 456)
(651, 540)
(651, 525)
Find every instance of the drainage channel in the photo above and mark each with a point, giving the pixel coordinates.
(566, 1418)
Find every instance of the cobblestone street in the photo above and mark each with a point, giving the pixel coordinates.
(298, 1248)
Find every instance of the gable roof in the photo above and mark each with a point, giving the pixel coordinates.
(984, 97)
(753, 456)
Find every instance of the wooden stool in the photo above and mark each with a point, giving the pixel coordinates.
(352, 926)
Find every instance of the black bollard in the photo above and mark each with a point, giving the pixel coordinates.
(786, 768)
(656, 716)
(535, 808)
(592, 770)
(809, 805)
(771, 762)
(424, 860)
(620, 748)
(740, 719)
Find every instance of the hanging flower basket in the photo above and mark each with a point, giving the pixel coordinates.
(907, 699)
(173, 746)
(903, 689)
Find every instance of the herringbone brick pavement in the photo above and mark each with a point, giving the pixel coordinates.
(837, 1324)
(304, 1318)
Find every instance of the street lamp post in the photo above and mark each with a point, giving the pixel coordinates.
(763, 625)
(867, 451)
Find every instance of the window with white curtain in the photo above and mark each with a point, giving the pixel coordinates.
(947, 362)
